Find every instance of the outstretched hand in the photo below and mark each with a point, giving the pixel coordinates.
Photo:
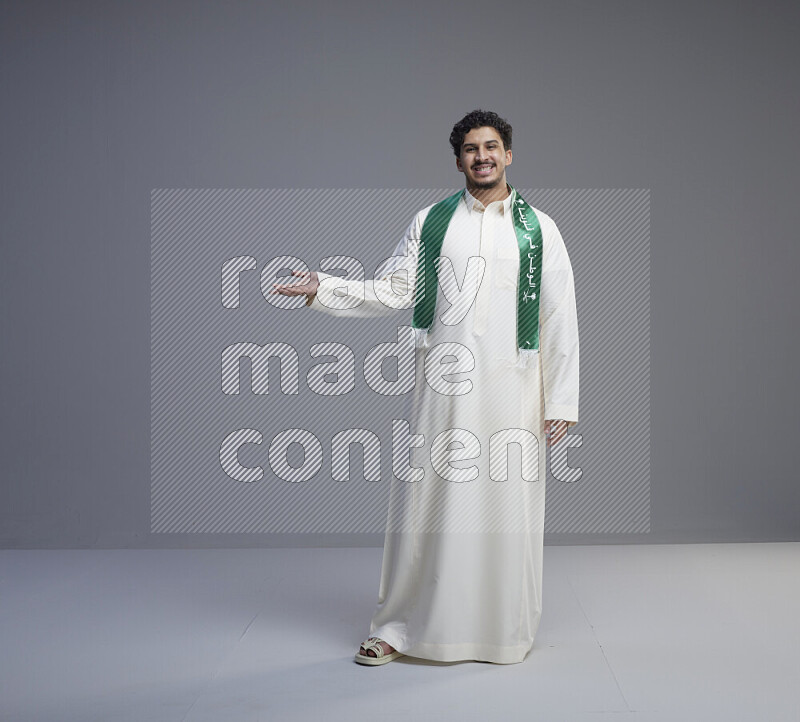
(309, 287)
(554, 430)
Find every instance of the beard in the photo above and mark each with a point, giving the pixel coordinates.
(483, 185)
(486, 184)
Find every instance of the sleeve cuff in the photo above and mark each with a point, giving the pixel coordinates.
(316, 304)
(562, 411)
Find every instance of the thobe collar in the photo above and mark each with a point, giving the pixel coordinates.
(473, 204)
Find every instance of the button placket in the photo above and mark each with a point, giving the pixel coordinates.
(486, 250)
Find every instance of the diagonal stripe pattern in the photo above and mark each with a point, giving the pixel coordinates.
(225, 418)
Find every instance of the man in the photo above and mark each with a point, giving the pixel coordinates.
(462, 563)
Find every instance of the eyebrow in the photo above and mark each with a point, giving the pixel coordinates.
(474, 145)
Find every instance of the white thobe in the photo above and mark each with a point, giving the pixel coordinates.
(462, 562)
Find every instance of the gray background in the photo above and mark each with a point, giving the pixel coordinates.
(191, 415)
(104, 101)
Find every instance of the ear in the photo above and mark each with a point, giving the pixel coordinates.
(508, 157)
(459, 166)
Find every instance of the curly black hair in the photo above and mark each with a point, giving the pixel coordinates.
(479, 119)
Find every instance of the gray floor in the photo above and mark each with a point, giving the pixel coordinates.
(687, 632)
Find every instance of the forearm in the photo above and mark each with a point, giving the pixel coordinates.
(363, 299)
(558, 340)
(559, 351)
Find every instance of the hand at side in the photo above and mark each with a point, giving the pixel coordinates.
(555, 430)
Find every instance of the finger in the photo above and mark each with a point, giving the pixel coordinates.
(287, 286)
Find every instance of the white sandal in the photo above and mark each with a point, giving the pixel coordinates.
(376, 647)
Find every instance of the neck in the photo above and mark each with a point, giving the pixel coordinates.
(490, 195)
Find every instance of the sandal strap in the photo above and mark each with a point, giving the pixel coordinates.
(375, 646)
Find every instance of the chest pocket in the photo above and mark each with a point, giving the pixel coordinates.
(506, 266)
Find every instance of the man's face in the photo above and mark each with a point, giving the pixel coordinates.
(483, 160)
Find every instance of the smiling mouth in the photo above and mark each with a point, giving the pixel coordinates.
(483, 169)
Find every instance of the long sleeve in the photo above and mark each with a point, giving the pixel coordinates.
(393, 288)
(558, 335)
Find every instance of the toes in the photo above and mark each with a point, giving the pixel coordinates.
(385, 646)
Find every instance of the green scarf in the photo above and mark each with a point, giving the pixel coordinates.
(529, 240)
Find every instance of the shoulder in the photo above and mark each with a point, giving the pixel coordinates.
(550, 233)
(553, 248)
(415, 228)
(545, 221)
(419, 219)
